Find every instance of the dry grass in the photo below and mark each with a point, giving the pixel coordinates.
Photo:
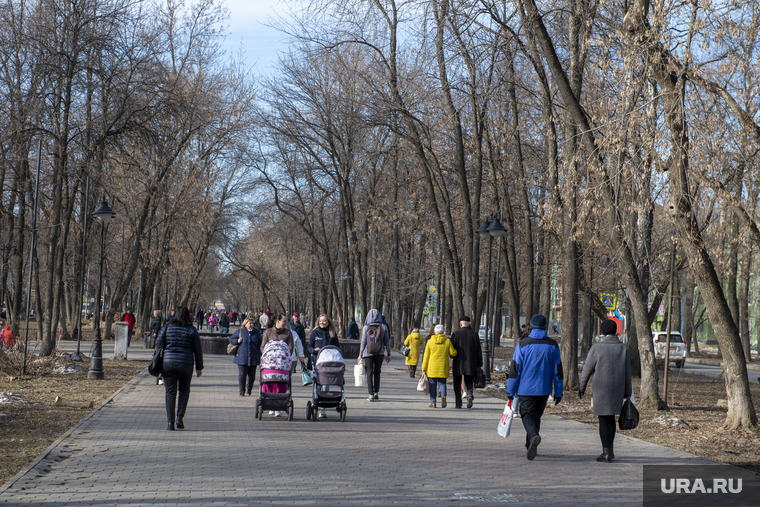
(32, 421)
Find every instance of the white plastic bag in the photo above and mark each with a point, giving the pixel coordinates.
(423, 386)
(505, 423)
(360, 378)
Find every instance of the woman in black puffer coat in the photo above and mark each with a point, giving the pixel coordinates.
(182, 349)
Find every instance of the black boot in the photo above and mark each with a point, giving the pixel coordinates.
(605, 457)
(612, 454)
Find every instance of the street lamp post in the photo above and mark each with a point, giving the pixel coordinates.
(496, 230)
(167, 265)
(105, 214)
(483, 231)
(345, 277)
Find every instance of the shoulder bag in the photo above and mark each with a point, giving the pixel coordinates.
(404, 350)
(232, 348)
(480, 379)
(629, 415)
(154, 368)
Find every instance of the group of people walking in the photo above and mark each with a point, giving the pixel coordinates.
(535, 371)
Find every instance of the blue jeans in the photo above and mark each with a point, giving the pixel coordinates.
(436, 384)
(224, 329)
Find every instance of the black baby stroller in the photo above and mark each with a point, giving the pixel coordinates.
(275, 380)
(329, 384)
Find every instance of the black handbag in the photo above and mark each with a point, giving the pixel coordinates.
(232, 348)
(154, 368)
(629, 415)
(480, 379)
(404, 350)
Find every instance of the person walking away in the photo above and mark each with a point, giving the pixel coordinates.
(375, 338)
(436, 364)
(224, 323)
(296, 326)
(211, 321)
(297, 352)
(353, 330)
(9, 337)
(321, 336)
(413, 341)
(609, 363)
(278, 331)
(182, 349)
(199, 319)
(467, 361)
(248, 355)
(130, 319)
(524, 332)
(535, 368)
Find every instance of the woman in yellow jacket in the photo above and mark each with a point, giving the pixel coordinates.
(436, 364)
(413, 341)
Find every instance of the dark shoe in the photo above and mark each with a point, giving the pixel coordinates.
(457, 406)
(605, 456)
(533, 447)
(180, 424)
(242, 393)
(170, 427)
(443, 402)
(375, 396)
(469, 401)
(249, 392)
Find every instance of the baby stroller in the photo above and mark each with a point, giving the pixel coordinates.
(329, 390)
(274, 380)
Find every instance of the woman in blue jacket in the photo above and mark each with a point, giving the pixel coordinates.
(248, 355)
(182, 349)
(322, 336)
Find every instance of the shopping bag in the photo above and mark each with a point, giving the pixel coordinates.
(505, 423)
(423, 386)
(306, 377)
(404, 350)
(359, 375)
(629, 415)
(480, 379)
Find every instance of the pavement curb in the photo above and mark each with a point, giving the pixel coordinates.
(715, 362)
(36, 461)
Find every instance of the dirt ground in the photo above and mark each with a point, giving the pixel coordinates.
(30, 420)
(692, 424)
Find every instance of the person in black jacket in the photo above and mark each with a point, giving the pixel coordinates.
(182, 348)
(248, 355)
(224, 323)
(353, 330)
(322, 335)
(467, 361)
(156, 323)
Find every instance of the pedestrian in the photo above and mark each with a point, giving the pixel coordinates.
(321, 336)
(199, 317)
(241, 318)
(297, 352)
(296, 326)
(263, 321)
(156, 323)
(130, 319)
(436, 364)
(413, 341)
(211, 322)
(182, 349)
(224, 323)
(278, 330)
(535, 368)
(375, 338)
(353, 330)
(248, 355)
(8, 339)
(467, 361)
(609, 362)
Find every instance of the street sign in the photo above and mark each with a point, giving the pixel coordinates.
(432, 288)
(609, 301)
(425, 311)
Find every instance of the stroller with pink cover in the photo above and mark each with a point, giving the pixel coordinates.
(275, 380)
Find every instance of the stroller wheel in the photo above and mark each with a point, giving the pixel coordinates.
(258, 407)
(290, 411)
(343, 414)
(308, 410)
(314, 413)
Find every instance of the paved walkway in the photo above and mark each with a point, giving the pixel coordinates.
(395, 452)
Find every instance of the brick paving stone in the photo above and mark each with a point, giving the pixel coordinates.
(393, 452)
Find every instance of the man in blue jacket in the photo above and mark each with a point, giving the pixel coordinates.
(536, 366)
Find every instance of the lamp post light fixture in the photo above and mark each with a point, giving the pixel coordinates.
(105, 214)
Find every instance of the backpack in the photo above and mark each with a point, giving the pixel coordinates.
(375, 339)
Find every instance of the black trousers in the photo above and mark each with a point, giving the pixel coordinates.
(607, 430)
(531, 410)
(468, 384)
(246, 376)
(176, 379)
(412, 370)
(372, 365)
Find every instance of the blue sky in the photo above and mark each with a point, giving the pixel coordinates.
(247, 30)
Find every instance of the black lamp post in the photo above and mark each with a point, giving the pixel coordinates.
(105, 214)
(345, 277)
(496, 230)
(167, 265)
(483, 231)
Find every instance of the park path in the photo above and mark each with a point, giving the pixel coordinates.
(393, 452)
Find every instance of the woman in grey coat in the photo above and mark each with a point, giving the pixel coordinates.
(608, 361)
